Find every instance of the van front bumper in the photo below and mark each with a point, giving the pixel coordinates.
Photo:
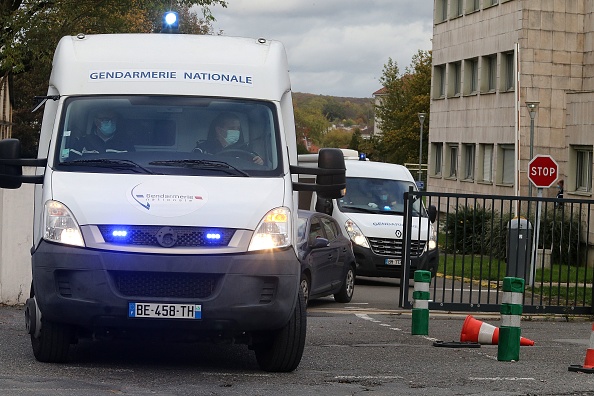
(373, 265)
(92, 289)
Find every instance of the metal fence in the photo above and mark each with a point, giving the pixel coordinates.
(483, 238)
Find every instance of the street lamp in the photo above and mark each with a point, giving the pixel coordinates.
(532, 108)
(422, 121)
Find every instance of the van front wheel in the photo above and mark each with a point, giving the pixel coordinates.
(281, 350)
(53, 342)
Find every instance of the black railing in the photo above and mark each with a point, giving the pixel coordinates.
(483, 238)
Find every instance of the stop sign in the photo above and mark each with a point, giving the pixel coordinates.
(542, 171)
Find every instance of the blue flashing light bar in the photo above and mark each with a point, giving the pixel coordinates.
(119, 233)
(170, 22)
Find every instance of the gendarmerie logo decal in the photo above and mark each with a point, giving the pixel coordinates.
(165, 198)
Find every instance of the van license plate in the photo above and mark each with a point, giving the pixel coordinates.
(164, 311)
(393, 262)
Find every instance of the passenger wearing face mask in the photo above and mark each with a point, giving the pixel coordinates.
(225, 136)
(104, 138)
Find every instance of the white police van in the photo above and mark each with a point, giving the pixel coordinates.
(154, 238)
(372, 214)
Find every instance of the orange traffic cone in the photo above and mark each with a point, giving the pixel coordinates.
(588, 366)
(474, 330)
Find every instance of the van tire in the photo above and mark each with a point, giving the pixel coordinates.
(283, 351)
(345, 294)
(53, 343)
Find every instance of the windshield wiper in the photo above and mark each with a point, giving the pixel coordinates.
(119, 164)
(360, 209)
(203, 164)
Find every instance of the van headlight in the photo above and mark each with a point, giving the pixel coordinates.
(274, 230)
(355, 234)
(60, 225)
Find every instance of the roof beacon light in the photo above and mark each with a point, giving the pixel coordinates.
(170, 22)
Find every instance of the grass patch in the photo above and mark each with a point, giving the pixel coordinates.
(558, 285)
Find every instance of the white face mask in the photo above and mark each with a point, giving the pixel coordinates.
(232, 136)
(107, 127)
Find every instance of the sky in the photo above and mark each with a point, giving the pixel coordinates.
(334, 47)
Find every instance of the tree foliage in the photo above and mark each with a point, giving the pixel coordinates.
(405, 96)
(315, 116)
(31, 29)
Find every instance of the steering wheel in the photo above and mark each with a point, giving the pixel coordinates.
(238, 153)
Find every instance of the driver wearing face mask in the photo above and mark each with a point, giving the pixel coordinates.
(104, 138)
(225, 136)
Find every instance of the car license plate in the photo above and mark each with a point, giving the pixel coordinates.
(393, 262)
(164, 311)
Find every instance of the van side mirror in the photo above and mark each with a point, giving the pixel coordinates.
(10, 149)
(331, 158)
(324, 206)
(11, 165)
(330, 175)
(432, 212)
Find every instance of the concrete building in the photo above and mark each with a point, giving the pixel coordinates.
(490, 57)
(377, 101)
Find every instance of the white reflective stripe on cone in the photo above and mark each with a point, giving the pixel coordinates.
(421, 304)
(422, 286)
(486, 333)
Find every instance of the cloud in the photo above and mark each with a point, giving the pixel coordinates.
(335, 47)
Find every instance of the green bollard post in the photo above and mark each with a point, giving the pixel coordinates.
(420, 311)
(508, 348)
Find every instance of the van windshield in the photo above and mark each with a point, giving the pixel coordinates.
(378, 196)
(169, 135)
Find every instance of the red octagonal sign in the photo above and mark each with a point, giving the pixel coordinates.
(542, 171)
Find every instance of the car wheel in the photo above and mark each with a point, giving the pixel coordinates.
(345, 294)
(281, 350)
(305, 288)
(53, 342)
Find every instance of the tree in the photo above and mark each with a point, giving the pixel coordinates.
(30, 31)
(406, 95)
(310, 124)
(337, 138)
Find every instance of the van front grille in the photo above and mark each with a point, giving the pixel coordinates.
(166, 236)
(164, 284)
(393, 247)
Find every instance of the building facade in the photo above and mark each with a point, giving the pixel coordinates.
(491, 57)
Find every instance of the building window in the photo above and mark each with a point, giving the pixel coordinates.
(489, 3)
(471, 76)
(437, 150)
(472, 5)
(456, 8)
(486, 163)
(583, 168)
(508, 77)
(468, 161)
(439, 82)
(506, 159)
(452, 170)
(441, 10)
(455, 79)
(489, 73)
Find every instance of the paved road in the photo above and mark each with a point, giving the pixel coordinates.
(360, 348)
